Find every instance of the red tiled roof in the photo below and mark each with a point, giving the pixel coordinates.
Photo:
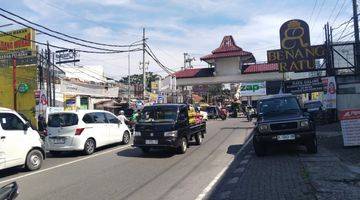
(258, 68)
(195, 72)
(228, 48)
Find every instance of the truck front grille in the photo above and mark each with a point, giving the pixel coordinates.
(283, 126)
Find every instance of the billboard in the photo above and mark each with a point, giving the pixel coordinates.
(296, 53)
(303, 86)
(350, 126)
(329, 98)
(26, 100)
(17, 40)
(252, 89)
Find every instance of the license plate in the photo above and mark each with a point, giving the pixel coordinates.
(59, 141)
(151, 142)
(286, 137)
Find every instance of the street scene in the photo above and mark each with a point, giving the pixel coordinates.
(157, 100)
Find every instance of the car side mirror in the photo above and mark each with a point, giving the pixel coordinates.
(26, 126)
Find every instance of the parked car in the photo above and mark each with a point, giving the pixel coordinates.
(167, 126)
(281, 120)
(84, 130)
(19, 143)
(316, 110)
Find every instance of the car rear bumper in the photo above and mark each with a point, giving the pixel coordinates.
(300, 137)
(72, 144)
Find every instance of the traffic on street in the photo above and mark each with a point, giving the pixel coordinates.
(179, 100)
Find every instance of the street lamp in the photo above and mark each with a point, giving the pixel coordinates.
(129, 67)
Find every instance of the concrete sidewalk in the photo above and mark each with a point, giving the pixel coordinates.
(289, 172)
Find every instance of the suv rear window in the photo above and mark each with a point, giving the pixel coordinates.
(63, 120)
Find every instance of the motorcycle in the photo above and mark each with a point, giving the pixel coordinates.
(9, 191)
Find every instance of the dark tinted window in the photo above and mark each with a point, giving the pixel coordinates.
(160, 113)
(88, 119)
(99, 117)
(10, 121)
(279, 105)
(112, 119)
(315, 104)
(62, 120)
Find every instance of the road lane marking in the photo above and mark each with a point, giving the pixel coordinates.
(208, 188)
(64, 164)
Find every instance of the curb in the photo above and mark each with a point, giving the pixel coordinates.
(213, 184)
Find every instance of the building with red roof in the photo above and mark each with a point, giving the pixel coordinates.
(228, 63)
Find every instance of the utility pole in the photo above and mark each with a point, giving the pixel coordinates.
(356, 34)
(53, 78)
(143, 65)
(48, 81)
(14, 82)
(185, 55)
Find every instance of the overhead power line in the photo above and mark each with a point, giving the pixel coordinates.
(153, 56)
(57, 37)
(341, 8)
(79, 50)
(312, 12)
(63, 34)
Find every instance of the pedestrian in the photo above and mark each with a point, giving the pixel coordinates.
(122, 117)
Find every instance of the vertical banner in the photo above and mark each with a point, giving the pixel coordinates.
(350, 126)
(329, 99)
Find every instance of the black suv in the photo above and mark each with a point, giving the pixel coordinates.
(280, 119)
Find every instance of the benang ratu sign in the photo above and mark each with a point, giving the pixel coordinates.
(296, 53)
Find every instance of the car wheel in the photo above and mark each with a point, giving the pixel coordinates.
(34, 160)
(55, 153)
(126, 138)
(198, 139)
(89, 147)
(145, 149)
(311, 146)
(259, 148)
(183, 146)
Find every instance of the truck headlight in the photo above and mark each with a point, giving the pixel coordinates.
(264, 127)
(170, 134)
(137, 133)
(304, 123)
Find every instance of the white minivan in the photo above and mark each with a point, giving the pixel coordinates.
(84, 130)
(19, 143)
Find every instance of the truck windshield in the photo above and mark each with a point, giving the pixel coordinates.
(279, 105)
(158, 114)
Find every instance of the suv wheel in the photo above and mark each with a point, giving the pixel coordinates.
(311, 146)
(259, 148)
(34, 160)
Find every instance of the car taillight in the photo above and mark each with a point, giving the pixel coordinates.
(78, 131)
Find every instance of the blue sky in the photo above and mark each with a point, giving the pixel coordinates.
(174, 26)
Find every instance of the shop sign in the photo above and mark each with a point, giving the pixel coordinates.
(66, 56)
(154, 85)
(296, 53)
(303, 86)
(252, 89)
(350, 126)
(17, 40)
(23, 87)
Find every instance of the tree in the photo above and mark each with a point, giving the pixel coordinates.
(138, 79)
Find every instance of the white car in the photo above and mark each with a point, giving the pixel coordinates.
(84, 130)
(19, 143)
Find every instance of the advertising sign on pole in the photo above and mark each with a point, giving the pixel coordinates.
(303, 86)
(329, 99)
(350, 126)
(296, 53)
(252, 89)
(17, 40)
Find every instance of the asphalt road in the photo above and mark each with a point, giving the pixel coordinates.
(124, 172)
